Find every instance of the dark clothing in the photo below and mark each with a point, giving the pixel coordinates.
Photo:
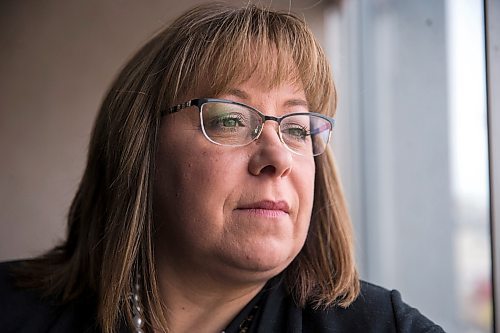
(375, 310)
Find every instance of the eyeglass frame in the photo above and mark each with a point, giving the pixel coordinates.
(198, 102)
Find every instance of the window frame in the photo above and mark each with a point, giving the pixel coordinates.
(492, 29)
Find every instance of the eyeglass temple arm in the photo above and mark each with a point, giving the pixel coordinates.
(177, 108)
(322, 128)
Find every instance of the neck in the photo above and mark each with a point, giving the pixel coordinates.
(200, 303)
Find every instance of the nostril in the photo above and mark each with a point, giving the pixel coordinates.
(268, 169)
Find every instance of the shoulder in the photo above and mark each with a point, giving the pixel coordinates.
(375, 310)
(389, 304)
(25, 310)
(20, 307)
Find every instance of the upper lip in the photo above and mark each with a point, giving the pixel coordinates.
(267, 204)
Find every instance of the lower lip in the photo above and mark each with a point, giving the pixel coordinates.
(269, 213)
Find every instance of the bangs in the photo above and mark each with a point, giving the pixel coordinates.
(231, 46)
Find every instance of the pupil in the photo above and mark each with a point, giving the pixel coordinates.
(230, 123)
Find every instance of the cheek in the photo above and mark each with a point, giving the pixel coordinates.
(191, 189)
(305, 188)
(305, 191)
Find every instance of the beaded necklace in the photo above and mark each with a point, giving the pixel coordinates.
(139, 321)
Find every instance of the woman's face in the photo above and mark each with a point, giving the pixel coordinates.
(237, 212)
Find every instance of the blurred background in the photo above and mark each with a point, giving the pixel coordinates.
(411, 141)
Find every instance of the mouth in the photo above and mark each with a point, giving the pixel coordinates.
(265, 208)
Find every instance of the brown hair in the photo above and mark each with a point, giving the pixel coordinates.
(110, 222)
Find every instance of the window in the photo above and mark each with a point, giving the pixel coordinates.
(412, 147)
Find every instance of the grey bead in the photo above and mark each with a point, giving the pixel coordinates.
(138, 322)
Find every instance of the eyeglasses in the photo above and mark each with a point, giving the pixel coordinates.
(229, 123)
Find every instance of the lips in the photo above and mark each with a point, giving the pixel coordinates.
(267, 205)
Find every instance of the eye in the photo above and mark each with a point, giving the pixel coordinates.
(295, 131)
(227, 122)
(230, 120)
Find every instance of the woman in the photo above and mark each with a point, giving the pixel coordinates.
(210, 201)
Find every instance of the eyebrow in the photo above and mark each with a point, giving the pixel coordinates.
(238, 93)
(297, 102)
(290, 102)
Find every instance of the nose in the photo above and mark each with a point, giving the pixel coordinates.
(270, 156)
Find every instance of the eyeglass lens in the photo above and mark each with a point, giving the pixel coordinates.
(236, 125)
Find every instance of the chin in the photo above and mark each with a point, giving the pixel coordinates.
(266, 260)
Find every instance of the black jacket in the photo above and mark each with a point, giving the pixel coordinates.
(375, 310)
